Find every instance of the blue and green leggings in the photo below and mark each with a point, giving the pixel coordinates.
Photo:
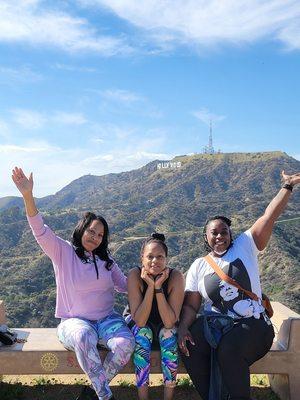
(167, 339)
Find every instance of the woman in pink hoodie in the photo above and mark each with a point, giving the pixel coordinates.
(86, 279)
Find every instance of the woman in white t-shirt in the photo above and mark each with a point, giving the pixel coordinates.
(251, 335)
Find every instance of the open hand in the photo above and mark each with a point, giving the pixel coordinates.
(23, 184)
(159, 279)
(147, 277)
(184, 335)
(293, 179)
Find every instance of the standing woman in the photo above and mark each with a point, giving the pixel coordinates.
(252, 334)
(155, 294)
(86, 278)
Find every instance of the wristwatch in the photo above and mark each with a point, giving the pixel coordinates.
(160, 290)
(287, 186)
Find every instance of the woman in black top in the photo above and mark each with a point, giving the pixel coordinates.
(155, 294)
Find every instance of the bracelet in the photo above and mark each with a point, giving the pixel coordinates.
(287, 186)
(160, 290)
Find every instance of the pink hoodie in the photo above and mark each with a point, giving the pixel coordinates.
(79, 292)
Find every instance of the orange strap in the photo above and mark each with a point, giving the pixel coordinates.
(226, 278)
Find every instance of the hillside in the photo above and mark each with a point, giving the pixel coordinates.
(135, 203)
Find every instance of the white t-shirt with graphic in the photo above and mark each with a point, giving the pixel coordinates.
(240, 263)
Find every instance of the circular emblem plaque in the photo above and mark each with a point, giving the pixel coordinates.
(49, 362)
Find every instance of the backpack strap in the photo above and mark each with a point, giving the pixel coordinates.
(265, 301)
(224, 277)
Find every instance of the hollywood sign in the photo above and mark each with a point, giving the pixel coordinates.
(169, 164)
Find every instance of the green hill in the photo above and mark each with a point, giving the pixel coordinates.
(10, 201)
(176, 201)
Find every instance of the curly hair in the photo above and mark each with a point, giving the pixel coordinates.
(226, 220)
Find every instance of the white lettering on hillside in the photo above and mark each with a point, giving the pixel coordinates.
(169, 164)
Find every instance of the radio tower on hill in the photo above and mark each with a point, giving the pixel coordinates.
(209, 149)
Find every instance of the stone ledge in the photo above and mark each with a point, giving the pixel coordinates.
(42, 353)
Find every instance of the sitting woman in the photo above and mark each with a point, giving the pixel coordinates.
(250, 333)
(86, 277)
(155, 294)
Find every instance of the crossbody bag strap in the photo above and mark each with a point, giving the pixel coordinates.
(224, 277)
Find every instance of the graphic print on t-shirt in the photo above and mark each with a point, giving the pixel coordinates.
(226, 298)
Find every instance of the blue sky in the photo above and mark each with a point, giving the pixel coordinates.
(100, 86)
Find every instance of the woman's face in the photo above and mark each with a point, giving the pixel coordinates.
(92, 236)
(154, 258)
(218, 236)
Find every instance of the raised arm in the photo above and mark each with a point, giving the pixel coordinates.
(25, 187)
(262, 229)
(51, 244)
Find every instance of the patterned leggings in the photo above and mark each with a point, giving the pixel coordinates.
(82, 336)
(141, 357)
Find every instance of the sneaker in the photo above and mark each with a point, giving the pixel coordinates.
(87, 393)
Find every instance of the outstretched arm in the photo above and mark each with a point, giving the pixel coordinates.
(25, 187)
(262, 229)
(49, 242)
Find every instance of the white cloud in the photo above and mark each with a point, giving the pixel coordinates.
(296, 156)
(122, 96)
(30, 21)
(74, 68)
(128, 101)
(144, 155)
(108, 157)
(162, 24)
(97, 140)
(210, 22)
(28, 119)
(113, 131)
(47, 161)
(207, 117)
(121, 160)
(14, 149)
(4, 130)
(23, 74)
(90, 161)
(69, 118)
(291, 36)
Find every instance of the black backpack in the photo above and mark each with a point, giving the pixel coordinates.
(7, 336)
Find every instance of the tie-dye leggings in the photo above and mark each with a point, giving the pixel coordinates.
(141, 357)
(82, 336)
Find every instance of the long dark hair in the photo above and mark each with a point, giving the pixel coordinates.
(102, 250)
(155, 237)
(226, 220)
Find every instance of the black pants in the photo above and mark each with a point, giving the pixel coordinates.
(248, 341)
